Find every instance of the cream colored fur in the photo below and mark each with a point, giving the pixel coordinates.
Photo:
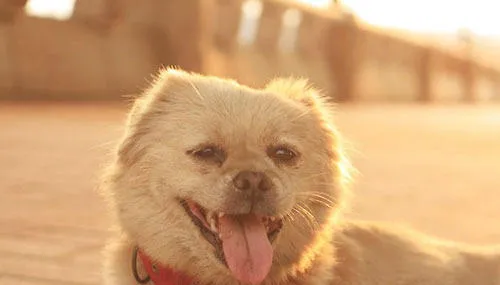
(316, 245)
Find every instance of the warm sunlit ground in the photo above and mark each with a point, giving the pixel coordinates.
(433, 167)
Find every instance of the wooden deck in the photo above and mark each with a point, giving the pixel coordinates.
(434, 167)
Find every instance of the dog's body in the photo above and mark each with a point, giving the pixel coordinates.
(232, 185)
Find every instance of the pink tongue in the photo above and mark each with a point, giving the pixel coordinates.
(247, 249)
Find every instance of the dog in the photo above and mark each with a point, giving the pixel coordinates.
(218, 183)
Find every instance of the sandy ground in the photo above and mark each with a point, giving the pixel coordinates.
(436, 168)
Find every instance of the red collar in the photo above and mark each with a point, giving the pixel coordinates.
(157, 273)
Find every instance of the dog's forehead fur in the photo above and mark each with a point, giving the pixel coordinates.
(203, 108)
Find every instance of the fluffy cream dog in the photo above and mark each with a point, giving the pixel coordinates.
(218, 183)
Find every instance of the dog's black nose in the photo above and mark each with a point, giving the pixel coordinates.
(252, 181)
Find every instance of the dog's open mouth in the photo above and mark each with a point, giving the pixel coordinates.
(242, 242)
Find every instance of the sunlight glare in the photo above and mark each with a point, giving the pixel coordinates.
(444, 16)
(56, 9)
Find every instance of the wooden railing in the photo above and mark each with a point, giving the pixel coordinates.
(350, 60)
(111, 47)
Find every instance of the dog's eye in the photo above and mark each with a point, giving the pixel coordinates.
(282, 154)
(205, 152)
(209, 153)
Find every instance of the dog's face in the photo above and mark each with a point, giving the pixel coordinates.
(227, 182)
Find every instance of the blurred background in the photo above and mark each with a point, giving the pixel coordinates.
(417, 85)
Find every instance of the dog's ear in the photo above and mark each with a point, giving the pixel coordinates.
(166, 84)
(301, 91)
(298, 90)
(162, 87)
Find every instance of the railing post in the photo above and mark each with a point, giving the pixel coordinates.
(424, 73)
(226, 18)
(344, 56)
(98, 13)
(9, 9)
(270, 27)
(469, 81)
(186, 24)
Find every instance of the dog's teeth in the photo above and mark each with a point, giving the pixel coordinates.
(213, 227)
(209, 215)
(221, 214)
(211, 220)
(272, 219)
